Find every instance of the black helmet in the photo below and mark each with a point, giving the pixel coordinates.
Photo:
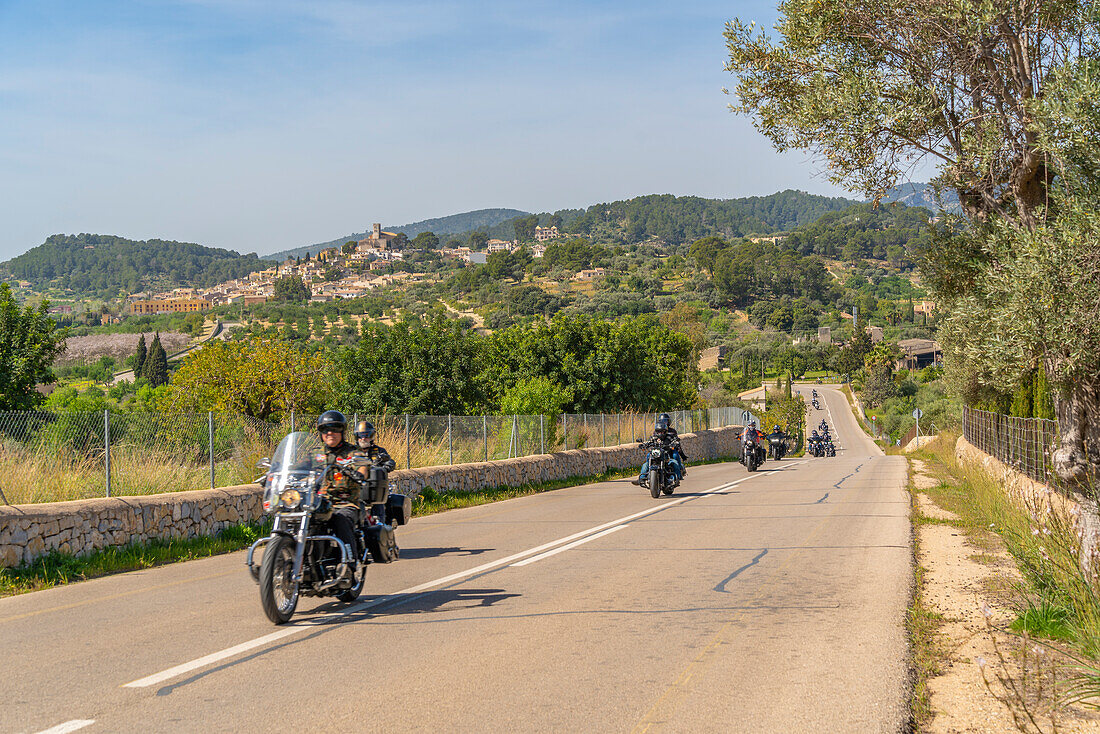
(332, 419)
(776, 429)
(663, 422)
(364, 429)
(814, 434)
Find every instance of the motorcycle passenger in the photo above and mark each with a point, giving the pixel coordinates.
(345, 498)
(378, 456)
(665, 435)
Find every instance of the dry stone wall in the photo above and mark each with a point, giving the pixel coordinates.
(81, 526)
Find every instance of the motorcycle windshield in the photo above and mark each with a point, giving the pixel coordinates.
(295, 459)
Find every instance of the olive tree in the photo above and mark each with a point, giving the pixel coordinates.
(999, 96)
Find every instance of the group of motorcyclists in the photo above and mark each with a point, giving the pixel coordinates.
(350, 497)
(820, 441)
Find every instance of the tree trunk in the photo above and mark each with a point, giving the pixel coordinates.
(1077, 459)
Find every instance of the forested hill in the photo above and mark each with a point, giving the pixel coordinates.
(105, 265)
(677, 219)
(481, 219)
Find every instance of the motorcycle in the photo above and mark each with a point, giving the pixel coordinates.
(752, 453)
(777, 446)
(302, 557)
(829, 448)
(816, 404)
(661, 478)
(813, 446)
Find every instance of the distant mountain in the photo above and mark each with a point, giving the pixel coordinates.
(106, 265)
(922, 194)
(454, 224)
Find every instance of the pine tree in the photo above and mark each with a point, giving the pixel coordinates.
(140, 356)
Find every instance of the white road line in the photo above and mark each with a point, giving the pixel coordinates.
(574, 544)
(215, 657)
(68, 726)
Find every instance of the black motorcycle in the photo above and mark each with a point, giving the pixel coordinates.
(752, 453)
(827, 447)
(813, 446)
(777, 446)
(302, 556)
(661, 479)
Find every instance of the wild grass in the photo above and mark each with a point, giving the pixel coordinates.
(1060, 595)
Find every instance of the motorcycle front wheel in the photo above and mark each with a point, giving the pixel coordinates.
(350, 595)
(278, 591)
(655, 482)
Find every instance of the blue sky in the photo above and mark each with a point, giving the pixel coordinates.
(259, 125)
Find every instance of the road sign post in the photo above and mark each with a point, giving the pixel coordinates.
(917, 413)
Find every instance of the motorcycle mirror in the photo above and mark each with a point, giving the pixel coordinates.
(264, 463)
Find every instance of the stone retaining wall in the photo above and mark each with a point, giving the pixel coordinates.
(81, 526)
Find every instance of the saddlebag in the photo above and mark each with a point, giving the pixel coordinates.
(376, 487)
(381, 543)
(399, 509)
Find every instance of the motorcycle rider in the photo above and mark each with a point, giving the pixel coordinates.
(345, 497)
(778, 433)
(378, 456)
(666, 435)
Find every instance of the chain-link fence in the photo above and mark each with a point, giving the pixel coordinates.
(1026, 444)
(50, 457)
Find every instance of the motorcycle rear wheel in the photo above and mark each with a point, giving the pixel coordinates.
(278, 591)
(655, 482)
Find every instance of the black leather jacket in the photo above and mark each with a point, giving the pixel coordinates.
(378, 457)
(671, 439)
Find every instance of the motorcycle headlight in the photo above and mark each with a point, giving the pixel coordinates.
(290, 499)
(656, 453)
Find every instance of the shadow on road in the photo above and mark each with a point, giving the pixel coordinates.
(436, 552)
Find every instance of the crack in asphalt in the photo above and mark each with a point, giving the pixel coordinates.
(721, 587)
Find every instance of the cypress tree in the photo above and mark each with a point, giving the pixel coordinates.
(1022, 399)
(140, 356)
(156, 364)
(1042, 402)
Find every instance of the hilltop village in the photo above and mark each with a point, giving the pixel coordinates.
(347, 272)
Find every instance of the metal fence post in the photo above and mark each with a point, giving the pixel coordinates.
(408, 447)
(603, 429)
(619, 427)
(542, 433)
(485, 434)
(564, 433)
(633, 427)
(210, 427)
(450, 442)
(107, 448)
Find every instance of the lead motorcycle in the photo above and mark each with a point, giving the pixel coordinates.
(302, 557)
(752, 453)
(661, 478)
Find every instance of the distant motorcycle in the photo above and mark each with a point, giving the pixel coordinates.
(828, 447)
(661, 478)
(302, 556)
(816, 404)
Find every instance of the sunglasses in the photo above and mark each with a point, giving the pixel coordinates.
(331, 430)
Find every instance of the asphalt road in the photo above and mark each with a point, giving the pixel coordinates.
(770, 602)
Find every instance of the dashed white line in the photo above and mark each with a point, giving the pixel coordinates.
(68, 726)
(589, 534)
